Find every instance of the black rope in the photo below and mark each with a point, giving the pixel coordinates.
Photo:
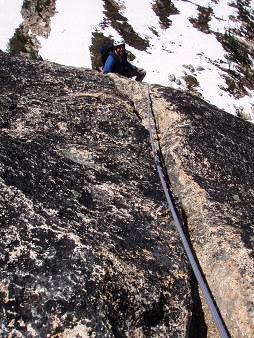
(161, 168)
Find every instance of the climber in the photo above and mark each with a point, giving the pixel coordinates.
(117, 63)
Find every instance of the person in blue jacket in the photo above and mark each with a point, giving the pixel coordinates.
(117, 63)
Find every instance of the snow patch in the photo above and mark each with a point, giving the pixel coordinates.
(10, 19)
(70, 35)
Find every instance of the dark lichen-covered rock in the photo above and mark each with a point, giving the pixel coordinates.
(87, 247)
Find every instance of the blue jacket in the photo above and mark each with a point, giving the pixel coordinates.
(114, 65)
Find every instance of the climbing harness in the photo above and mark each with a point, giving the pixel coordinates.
(195, 267)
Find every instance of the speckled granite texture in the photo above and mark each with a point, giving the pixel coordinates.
(210, 162)
(87, 246)
(209, 155)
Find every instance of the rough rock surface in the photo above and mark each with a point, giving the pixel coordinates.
(37, 16)
(210, 161)
(87, 246)
(36, 22)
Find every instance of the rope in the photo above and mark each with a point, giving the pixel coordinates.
(195, 267)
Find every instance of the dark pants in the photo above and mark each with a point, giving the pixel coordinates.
(135, 71)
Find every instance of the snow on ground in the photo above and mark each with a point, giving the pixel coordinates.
(10, 19)
(135, 10)
(70, 35)
(221, 19)
(181, 44)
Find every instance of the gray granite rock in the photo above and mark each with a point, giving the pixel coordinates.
(210, 162)
(190, 67)
(87, 246)
(200, 68)
(36, 16)
(172, 77)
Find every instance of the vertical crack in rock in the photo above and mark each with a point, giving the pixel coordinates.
(210, 165)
